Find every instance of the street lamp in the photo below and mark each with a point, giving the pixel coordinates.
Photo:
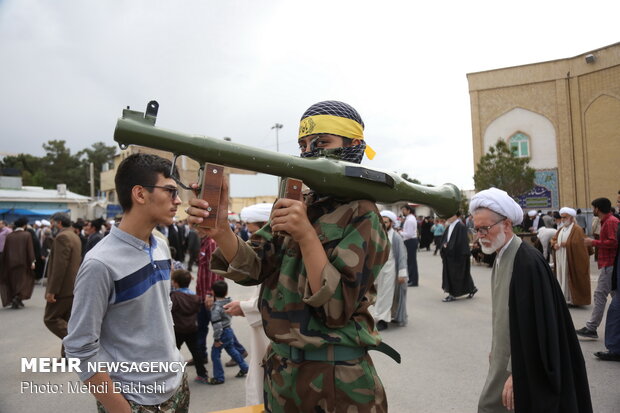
(276, 127)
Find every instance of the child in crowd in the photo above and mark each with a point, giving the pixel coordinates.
(223, 335)
(185, 307)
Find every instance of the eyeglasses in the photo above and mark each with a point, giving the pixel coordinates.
(174, 192)
(485, 230)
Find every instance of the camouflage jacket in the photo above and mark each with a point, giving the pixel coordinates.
(356, 246)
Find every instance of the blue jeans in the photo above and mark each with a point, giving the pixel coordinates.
(612, 328)
(227, 339)
(412, 262)
(204, 319)
(238, 346)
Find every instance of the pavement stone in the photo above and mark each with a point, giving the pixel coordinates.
(444, 352)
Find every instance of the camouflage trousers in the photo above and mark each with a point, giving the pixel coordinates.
(178, 403)
(317, 386)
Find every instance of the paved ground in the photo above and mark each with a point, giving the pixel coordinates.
(444, 350)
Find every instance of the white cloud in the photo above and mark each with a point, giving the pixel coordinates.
(235, 68)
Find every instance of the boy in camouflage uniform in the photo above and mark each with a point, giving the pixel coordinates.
(317, 283)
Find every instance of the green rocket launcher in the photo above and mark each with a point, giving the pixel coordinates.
(326, 175)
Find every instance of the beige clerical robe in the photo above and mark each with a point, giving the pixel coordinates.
(500, 366)
(258, 347)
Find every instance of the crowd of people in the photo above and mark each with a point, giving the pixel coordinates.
(326, 276)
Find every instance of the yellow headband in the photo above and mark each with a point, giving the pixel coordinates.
(333, 125)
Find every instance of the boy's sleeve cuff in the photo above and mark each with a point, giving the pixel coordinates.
(330, 279)
(236, 269)
(87, 373)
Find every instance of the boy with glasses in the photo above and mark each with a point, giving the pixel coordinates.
(121, 310)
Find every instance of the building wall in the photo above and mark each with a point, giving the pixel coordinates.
(602, 126)
(540, 130)
(571, 111)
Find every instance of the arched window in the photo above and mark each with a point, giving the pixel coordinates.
(520, 145)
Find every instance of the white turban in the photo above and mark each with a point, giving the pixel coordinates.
(37, 223)
(497, 201)
(569, 211)
(45, 223)
(256, 213)
(390, 215)
(532, 213)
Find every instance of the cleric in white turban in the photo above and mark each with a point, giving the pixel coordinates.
(569, 211)
(392, 216)
(499, 202)
(255, 216)
(528, 308)
(391, 282)
(256, 213)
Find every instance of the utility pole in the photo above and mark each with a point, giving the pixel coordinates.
(92, 179)
(277, 126)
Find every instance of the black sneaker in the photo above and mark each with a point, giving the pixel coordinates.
(381, 325)
(607, 356)
(587, 333)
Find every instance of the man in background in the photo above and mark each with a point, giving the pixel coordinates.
(612, 326)
(456, 274)
(607, 245)
(93, 232)
(4, 231)
(16, 276)
(410, 236)
(62, 267)
(392, 276)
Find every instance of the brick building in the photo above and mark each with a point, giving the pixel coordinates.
(563, 114)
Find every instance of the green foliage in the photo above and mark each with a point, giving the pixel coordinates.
(59, 166)
(464, 205)
(30, 167)
(500, 168)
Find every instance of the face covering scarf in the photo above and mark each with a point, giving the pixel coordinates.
(353, 153)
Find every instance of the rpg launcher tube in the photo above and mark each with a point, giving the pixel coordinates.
(344, 180)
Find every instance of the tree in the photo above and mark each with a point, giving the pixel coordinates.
(29, 165)
(464, 205)
(58, 166)
(502, 169)
(61, 167)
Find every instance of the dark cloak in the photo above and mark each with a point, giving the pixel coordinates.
(548, 371)
(16, 277)
(456, 275)
(426, 235)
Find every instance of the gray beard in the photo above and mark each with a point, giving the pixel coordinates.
(495, 245)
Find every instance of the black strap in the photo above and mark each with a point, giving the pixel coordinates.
(387, 350)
